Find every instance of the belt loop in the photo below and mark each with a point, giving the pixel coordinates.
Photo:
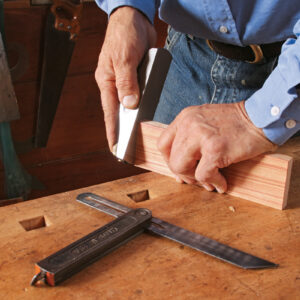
(258, 54)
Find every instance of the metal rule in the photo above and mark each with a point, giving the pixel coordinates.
(181, 235)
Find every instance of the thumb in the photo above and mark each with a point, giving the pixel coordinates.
(127, 86)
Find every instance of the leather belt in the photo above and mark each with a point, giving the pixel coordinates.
(253, 54)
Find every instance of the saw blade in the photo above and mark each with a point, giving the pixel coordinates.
(61, 32)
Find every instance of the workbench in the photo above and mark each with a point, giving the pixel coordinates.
(152, 267)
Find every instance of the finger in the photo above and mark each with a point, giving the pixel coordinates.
(165, 141)
(178, 179)
(184, 156)
(110, 105)
(127, 84)
(207, 172)
(189, 180)
(105, 79)
(186, 179)
(208, 187)
(164, 144)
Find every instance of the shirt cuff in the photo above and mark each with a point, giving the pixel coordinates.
(278, 123)
(276, 106)
(288, 125)
(147, 7)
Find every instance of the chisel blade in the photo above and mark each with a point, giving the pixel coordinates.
(152, 74)
(181, 235)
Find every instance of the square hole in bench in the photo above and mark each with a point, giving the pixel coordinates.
(34, 223)
(139, 196)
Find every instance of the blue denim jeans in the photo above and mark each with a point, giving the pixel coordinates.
(198, 75)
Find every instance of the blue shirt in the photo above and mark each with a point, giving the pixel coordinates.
(276, 106)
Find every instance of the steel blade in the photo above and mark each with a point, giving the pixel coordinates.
(151, 75)
(208, 246)
(58, 49)
(127, 121)
(102, 204)
(181, 235)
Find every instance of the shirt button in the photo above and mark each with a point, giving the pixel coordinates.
(290, 124)
(275, 111)
(223, 29)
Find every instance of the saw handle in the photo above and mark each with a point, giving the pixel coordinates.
(73, 258)
(67, 16)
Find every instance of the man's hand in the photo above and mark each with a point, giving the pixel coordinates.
(203, 139)
(129, 34)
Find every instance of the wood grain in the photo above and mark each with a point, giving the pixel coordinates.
(264, 179)
(151, 267)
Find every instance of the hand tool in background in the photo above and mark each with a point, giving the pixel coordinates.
(18, 183)
(130, 223)
(152, 73)
(62, 29)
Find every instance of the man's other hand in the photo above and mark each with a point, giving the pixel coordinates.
(129, 34)
(203, 139)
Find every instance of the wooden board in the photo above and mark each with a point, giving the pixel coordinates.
(151, 267)
(264, 179)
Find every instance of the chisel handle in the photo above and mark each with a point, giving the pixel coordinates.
(73, 258)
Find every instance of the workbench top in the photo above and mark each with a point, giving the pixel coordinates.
(152, 267)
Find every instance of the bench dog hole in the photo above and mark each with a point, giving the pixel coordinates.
(139, 196)
(34, 223)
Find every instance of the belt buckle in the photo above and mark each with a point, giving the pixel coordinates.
(258, 55)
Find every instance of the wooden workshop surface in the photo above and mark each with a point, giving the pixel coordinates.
(151, 267)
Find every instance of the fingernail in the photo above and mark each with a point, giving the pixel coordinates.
(130, 101)
(178, 179)
(207, 187)
(114, 149)
(220, 191)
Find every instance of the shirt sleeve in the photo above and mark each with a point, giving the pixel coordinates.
(147, 7)
(276, 106)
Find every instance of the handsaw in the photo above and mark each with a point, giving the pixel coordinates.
(130, 223)
(152, 73)
(61, 32)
